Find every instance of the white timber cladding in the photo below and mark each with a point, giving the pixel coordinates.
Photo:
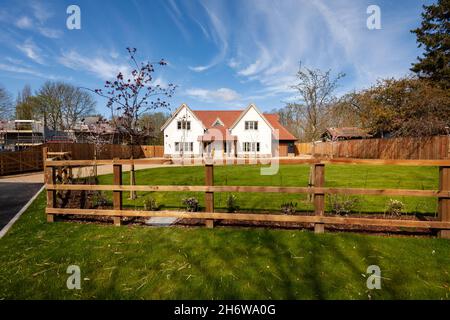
(253, 132)
(263, 134)
(186, 136)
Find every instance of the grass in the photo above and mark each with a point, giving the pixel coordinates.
(136, 262)
(289, 175)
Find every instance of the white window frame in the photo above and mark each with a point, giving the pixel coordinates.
(251, 147)
(183, 125)
(251, 125)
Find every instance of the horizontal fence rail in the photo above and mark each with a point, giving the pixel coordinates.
(262, 161)
(317, 190)
(258, 189)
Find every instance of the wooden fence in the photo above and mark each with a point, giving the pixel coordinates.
(30, 159)
(107, 151)
(12, 162)
(319, 219)
(395, 148)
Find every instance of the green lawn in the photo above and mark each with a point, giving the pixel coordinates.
(289, 175)
(134, 262)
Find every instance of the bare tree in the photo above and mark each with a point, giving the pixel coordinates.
(62, 105)
(316, 93)
(129, 97)
(5, 103)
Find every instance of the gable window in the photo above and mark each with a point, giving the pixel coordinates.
(250, 146)
(185, 125)
(251, 125)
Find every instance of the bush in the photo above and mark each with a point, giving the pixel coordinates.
(395, 207)
(232, 205)
(191, 204)
(150, 204)
(342, 205)
(289, 207)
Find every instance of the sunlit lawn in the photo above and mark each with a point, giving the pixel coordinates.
(140, 262)
(362, 176)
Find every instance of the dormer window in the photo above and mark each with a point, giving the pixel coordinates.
(251, 125)
(185, 125)
(218, 123)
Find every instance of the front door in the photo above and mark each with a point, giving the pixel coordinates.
(207, 146)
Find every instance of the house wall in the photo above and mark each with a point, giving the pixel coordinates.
(172, 134)
(263, 135)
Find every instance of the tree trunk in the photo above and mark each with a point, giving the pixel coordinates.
(132, 181)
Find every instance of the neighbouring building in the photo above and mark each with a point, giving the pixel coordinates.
(344, 133)
(226, 133)
(20, 134)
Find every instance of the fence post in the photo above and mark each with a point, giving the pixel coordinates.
(444, 203)
(319, 198)
(117, 195)
(209, 196)
(50, 178)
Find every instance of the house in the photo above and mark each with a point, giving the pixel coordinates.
(225, 133)
(344, 133)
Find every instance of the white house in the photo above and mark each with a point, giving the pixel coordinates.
(225, 133)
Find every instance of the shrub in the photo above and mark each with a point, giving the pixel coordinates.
(289, 207)
(232, 205)
(342, 205)
(395, 207)
(150, 204)
(99, 199)
(191, 204)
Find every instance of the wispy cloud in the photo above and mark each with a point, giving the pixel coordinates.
(219, 37)
(101, 67)
(27, 71)
(31, 50)
(222, 94)
(24, 22)
(37, 21)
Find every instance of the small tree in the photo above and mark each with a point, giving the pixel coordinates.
(130, 96)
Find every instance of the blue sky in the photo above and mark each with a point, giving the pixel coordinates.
(222, 54)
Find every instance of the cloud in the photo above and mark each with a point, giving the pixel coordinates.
(28, 71)
(222, 94)
(50, 33)
(40, 16)
(219, 37)
(24, 22)
(31, 50)
(98, 66)
(41, 12)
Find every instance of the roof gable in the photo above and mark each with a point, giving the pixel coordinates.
(251, 106)
(174, 115)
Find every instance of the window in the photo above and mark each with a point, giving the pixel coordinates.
(251, 125)
(184, 146)
(251, 146)
(185, 125)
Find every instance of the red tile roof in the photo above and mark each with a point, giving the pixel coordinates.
(283, 133)
(228, 117)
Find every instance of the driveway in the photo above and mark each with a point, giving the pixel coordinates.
(17, 190)
(13, 196)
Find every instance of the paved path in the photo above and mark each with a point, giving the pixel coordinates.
(13, 196)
